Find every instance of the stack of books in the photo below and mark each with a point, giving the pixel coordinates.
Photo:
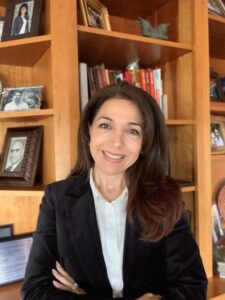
(94, 78)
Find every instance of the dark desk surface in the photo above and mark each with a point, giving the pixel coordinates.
(10, 292)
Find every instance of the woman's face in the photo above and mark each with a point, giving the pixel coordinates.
(116, 136)
(23, 10)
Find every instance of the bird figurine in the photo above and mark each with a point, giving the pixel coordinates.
(160, 31)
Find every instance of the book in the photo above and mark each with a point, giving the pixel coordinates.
(165, 106)
(158, 86)
(83, 84)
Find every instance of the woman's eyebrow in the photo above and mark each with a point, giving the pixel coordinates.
(136, 124)
(103, 117)
(130, 123)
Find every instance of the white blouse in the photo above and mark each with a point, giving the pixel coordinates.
(111, 219)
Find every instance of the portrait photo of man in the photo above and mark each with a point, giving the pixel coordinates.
(15, 155)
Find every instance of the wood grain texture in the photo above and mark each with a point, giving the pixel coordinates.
(202, 140)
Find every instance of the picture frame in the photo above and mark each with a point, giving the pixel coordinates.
(2, 21)
(220, 201)
(16, 27)
(21, 98)
(20, 159)
(6, 230)
(95, 14)
(217, 135)
(217, 229)
(216, 89)
(14, 253)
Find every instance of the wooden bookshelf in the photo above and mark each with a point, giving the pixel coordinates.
(52, 59)
(216, 33)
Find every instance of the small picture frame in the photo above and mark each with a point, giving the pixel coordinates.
(2, 21)
(21, 156)
(217, 135)
(216, 89)
(6, 230)
(22, 19)
(95, 14)
(21, 98)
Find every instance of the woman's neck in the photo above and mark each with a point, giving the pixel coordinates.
(110, 187)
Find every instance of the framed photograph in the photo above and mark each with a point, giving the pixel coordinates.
(22, 19)
(95, 14)
(214, 8)
(216, 89)
(6, 231)
(2, 20)
(21, 156)
(217, 135)
(21, 98)
(14, 253)
(217, 228)
(220, 200)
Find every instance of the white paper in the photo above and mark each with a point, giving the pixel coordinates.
(13, 259)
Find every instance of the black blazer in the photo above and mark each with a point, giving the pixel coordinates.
(67, 231)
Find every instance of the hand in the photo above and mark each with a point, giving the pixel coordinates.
(65, 281)
(149, 296)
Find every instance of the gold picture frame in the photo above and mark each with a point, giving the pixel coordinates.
(95, 14)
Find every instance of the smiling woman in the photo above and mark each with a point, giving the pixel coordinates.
(116, 227)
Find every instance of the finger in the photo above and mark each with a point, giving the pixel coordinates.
(60, 286)
(62, 279)
(63, 272)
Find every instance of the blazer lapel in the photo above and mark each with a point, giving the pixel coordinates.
(82, 223)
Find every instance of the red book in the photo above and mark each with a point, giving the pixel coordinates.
(142, 79)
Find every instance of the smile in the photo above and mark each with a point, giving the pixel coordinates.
(114, 157)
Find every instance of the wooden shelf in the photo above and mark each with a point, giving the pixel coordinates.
(133, 11)
(187, 189)
(216, 36)
(21, 193)
(172, 122)
(216, 288)
(24, 52)
(125, 48)
(34, 114)
(217, 107)
(218, 156)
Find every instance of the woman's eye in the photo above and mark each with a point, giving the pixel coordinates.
(104, 125)
(134, 132)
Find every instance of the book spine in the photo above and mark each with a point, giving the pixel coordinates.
(142, 79)
(151, 82)
(83, 84)
(157, 84)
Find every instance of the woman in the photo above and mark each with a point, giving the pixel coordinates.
(20, 25)
(116, 228)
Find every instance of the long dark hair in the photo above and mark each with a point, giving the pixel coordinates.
(154, 197)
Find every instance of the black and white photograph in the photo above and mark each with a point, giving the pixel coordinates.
(21, 154)
(15, 155)
(22, 19)
(22, 98)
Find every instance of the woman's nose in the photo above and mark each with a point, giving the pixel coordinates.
(117, 138)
